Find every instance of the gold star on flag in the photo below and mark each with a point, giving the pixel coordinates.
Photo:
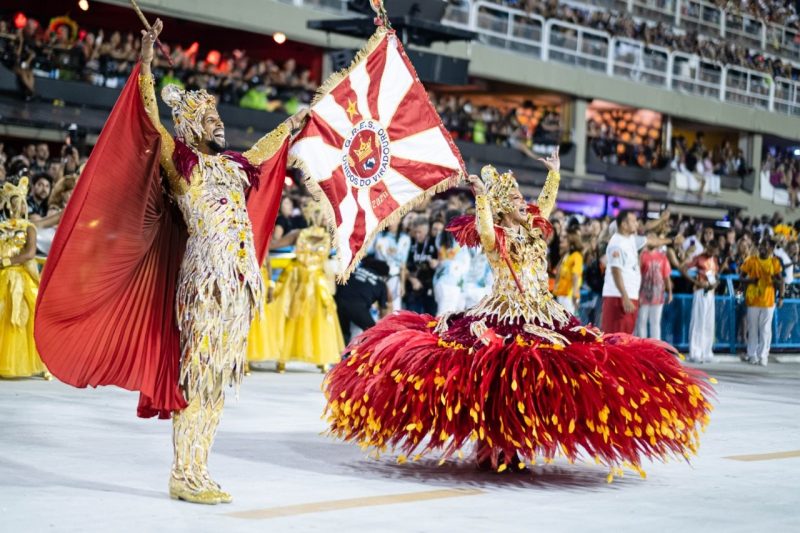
(351, 109)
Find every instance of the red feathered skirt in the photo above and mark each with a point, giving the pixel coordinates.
(613, 397)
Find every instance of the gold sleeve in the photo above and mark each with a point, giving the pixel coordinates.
(484, 222)
(268, 145)
(147, 90)
(547, 198)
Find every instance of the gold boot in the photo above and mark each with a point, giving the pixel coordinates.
(181, 490)
(280, 367)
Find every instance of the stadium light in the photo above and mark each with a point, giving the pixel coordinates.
(213, 58)
(797, 151)
(279, 37)
(20, 20)
(84, 5)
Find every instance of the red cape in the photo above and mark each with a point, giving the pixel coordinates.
(105, 314)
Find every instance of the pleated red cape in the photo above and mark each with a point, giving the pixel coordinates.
(105, 314)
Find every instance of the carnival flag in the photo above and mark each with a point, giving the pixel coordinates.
(373, 147)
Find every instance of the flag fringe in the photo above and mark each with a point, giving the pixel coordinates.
(396, 216)
(319, 195)
(336, 78)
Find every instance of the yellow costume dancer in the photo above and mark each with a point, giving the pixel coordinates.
(304, 298)
(266, 332)
(19, 284)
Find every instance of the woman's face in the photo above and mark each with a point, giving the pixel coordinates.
(519, 213)
(18, 207)
(287, 207)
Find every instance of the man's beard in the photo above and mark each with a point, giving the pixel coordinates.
(216, 147)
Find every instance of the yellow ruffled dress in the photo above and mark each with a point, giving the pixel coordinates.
(304, 298)
(267, 331)
(19, 285)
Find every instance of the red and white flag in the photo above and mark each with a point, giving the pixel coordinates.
(374, 146)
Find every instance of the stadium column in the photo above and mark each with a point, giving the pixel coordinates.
(579, 107)
(754, 157)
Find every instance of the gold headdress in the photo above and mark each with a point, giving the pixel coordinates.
(498, 189)
(12, 192)
(314, 213)
(188, 109)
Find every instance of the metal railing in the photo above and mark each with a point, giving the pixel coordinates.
(564, 42)
(700, 15)
(555, 40)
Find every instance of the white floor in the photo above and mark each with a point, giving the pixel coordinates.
(79, 460)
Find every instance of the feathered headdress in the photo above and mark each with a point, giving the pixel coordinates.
(188, 109)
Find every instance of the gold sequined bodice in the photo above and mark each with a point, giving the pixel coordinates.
(530, 302)
(13, 239)
(528, 253)
(313, 247)
(13, 236)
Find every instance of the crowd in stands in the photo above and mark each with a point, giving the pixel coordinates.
(51, 180)
(426, 270)
(701, 167)
(65, 51)
(445, 265)
(715, 49)
(622, 137)
(521, 127)
(784, 173)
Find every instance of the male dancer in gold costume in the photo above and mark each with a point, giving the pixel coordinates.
(115, 325)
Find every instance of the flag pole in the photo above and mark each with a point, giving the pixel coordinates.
(382, 18)
(148, 28)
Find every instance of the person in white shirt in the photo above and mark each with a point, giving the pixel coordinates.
(623, 277)
(393, 246)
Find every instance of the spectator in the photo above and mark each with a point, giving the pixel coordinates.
(761, 274)
(354, 300)
(62, 191)
(705, 281)
(623, 277)
(39, 163)
(421, 264)
(392, 247)
(569, 275)
(38, 197)
(448, 280)
(479, 278)
(655, 281)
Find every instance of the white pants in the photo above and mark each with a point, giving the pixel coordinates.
(701, 327)
(759, 332)
(649, 315)
(449, 298)
(567, 303)
(393, 285)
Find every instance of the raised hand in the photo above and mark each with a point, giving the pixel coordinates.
(553, 163)
(149, 38)
(477, 185)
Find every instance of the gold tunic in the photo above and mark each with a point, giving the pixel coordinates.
(219, 284)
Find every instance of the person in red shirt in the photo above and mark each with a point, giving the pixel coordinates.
(655, 270)
(705, 281)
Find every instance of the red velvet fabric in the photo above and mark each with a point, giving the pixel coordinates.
(106, 308)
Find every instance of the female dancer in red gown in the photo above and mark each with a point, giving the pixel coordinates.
(516, 374)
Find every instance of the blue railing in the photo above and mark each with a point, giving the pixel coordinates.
(729, 324)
